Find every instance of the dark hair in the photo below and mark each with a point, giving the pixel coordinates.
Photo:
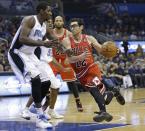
(79, 20)
(42, 6)
(63, 18)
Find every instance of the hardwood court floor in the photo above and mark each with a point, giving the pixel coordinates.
(130, 117)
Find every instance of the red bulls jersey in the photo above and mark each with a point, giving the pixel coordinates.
(56, 53)
(81, 67)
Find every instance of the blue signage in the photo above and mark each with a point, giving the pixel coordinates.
(10, 85)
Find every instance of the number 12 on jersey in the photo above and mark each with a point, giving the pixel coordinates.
(80, 64)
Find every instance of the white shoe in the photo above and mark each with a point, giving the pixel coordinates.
(54, 114)
(55, 122)
(26, 114)
(41, 123)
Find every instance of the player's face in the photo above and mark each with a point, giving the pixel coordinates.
(46, 13)
(75, 28)
(58, 22)
(50, 23)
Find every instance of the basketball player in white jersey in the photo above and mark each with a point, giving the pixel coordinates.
(23, 61)
(45, 56)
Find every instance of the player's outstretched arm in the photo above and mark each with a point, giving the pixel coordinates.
(70, 56)
(107, 49)
(95, 43)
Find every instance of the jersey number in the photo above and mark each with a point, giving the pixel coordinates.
(49, 53)
(81, 64)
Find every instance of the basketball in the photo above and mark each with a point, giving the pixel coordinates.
(109, 49)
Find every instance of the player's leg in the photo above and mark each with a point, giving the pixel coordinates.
(116, 91)
(47, 101)
(55, 85)
(73, 87)
(29, 69)
(53, 97)
(97, 90)
(17, 66)
(35, 68)
(44, 89)
(70, 78)
(97, 93)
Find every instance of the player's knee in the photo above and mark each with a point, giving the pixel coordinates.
(36, 89)
(99, 85)
(45, 88)
(96, 81)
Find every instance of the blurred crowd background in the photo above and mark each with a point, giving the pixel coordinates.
(121, 20)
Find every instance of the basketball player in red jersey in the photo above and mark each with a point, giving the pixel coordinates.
(60, 32)
(87, 72)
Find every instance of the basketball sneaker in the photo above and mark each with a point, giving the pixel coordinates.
(79, 105)
(26, 114)
(120, 99)
(33, 110)
(54, 114)
(103, 116)
(41, 122)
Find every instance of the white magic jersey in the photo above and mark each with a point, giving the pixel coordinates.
(37, 33)
(46, 54)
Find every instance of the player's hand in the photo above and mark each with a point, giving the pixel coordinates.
(48, 43)
(86, 54)
(51, 43)
(83, 56)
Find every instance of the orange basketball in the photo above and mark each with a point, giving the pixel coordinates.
(109, 49)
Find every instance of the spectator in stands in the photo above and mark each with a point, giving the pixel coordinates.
(1, 68)
(131, 72)
(111, 73)
(125, 46)
(139, 51)
(138, 74)
(143, 74)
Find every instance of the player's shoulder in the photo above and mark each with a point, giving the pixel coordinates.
(68, 32)
(29, 19)
(91, 39)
